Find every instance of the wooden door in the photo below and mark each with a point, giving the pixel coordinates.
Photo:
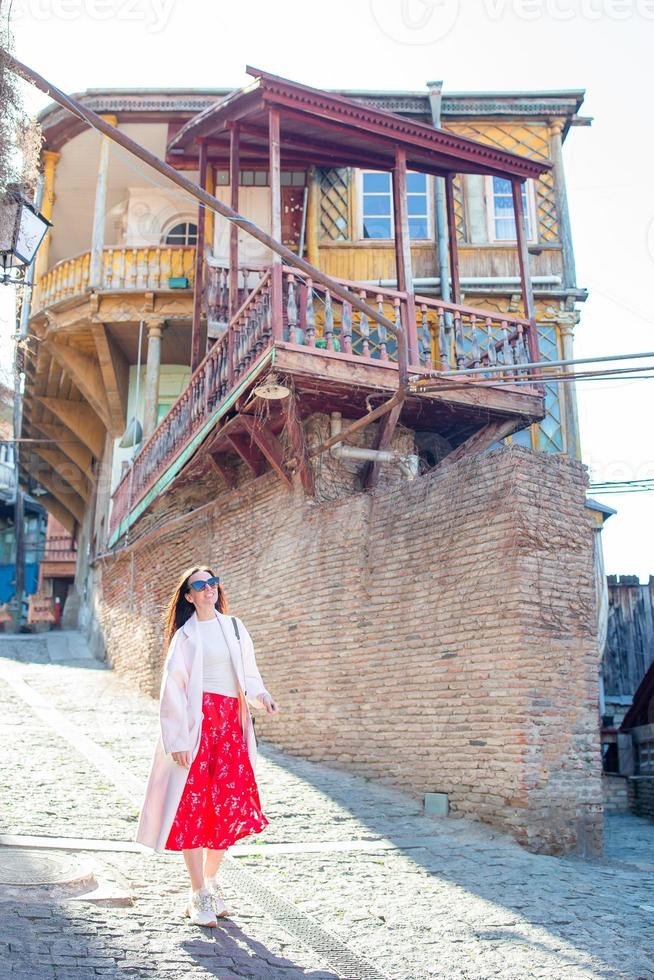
(292, 208)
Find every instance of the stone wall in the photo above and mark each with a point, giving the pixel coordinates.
(641, 796)
(437, 635)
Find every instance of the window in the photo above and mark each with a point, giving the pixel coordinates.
(183, 233)
(501, 216)
(261, 178)
(377, 205)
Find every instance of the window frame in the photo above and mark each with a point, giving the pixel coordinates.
(359, 208)
(170, 225)
(531, 212)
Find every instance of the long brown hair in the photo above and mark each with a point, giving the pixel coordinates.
(179, 609)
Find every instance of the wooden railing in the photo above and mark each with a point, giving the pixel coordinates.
(449, 336)
(249, 335)
(142, 267)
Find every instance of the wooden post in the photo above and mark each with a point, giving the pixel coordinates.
(523, 260)
(403, 254)
(196, 356)
(276, 222)
(451, 234)
(313, 216)
(99, 211)
(152, 371)
(234, 171)
(50, 159)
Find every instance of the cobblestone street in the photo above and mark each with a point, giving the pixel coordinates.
(350, 879)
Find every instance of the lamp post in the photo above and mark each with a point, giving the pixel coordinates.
(22, 230)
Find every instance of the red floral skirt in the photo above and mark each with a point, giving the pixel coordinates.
(220, 803)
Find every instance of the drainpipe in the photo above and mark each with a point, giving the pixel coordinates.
(408, 463)
(435, 90)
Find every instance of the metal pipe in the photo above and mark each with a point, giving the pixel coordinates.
(521, 367)
(96, 121)
(407, 462)
(469, 281)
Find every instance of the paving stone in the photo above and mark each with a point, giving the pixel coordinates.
(451, 899)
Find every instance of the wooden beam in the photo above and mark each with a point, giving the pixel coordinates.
(65, 469)
(67, 498)
(249, 453)
(80, 419)
(66, 441)
(85, 372)
(297, 441)
(224, 469)
(523, 261)
(234, 189)
(114, 368)
(59, 511)
(268, 444)
(452, 239)
(387, 427)
(276, 223)
(480, 440)
(403, 254)
(198, 285)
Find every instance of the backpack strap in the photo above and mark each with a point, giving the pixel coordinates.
(235, 625)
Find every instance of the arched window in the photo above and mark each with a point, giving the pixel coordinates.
(182, 233)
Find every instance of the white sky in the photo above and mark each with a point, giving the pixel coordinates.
(604, 46)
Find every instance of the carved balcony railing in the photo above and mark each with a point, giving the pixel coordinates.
(123, 268)
(450, 336)
(216, 377)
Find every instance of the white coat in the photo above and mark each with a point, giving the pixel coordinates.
(180, 715)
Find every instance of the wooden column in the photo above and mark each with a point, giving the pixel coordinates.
(50, 160)
(451, 236)
(100, 210)
(152, 370)
(276, 221)
(234, 171)
(523, 260)
(403, 255)
(313, 217)
(198, 286)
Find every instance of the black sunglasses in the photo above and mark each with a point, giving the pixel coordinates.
(201, 583)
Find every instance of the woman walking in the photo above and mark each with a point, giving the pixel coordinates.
(202, 794)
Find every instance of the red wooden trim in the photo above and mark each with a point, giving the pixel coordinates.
(198, 285)
(276, 222)
(268, 444)
(452, 239)
(403, 254)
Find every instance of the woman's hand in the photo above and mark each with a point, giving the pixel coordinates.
(182, 759)
(269, 703)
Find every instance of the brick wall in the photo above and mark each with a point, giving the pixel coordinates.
(615, 792)
(437, 635)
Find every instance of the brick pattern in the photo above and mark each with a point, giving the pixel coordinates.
(439, 635)
(615, 793)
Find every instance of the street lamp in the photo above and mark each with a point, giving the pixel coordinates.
(22, 229)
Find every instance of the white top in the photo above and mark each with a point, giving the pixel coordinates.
(218, 675)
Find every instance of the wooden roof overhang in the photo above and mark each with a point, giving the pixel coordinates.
(323, 129)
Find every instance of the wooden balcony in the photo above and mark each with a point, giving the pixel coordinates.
(142, 268)
(337, 359)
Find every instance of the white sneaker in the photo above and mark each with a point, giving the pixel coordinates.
(217, 896)
(200, 909)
